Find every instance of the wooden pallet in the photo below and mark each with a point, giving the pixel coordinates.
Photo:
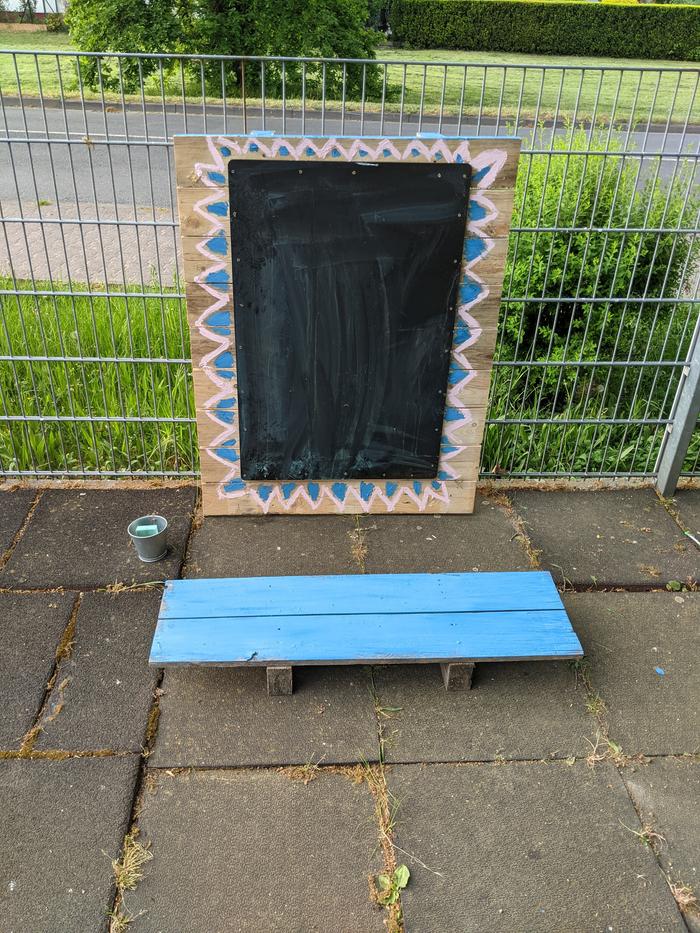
(454, 619)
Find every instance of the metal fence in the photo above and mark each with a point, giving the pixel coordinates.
(599, 316)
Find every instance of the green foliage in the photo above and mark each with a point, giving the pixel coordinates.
(550, 28)
(585, 194)
(82, 326)
(389, 887)
(313, 28)
(121, 26)
(55, 22)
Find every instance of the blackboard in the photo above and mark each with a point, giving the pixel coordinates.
(345, 284)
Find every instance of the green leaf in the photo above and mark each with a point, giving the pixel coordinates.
(383, 882)
(674, 586)
(401, 876)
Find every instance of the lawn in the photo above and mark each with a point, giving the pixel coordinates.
(479, 82)
(83, 328)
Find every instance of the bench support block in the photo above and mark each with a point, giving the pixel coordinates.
(457, 676)
(279, 681)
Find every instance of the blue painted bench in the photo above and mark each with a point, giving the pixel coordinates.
(454, 619)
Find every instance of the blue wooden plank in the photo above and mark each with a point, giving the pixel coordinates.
(362, 594)
(382, 638)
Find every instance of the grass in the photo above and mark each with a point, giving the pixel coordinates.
(115, 327)
(79, 326)
(128, 871)
(525, 91)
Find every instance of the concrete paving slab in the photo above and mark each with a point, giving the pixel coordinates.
(609, 538)
(276, 545)
(31, 629)
(79, 538)
(217, 717)
(688, 504)
(104, 691)
(520, 710)
(531, 847)
(272, 854)
(63, 822)
(666, 793)
(644, 656)
(443, 543)
(14, 506)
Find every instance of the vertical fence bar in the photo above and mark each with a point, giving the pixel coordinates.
(684, 415)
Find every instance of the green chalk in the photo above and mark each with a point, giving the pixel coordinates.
(146, 531)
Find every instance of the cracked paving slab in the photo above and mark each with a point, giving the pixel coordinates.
(607, 538)
(66, 821)
(519, 710)
(14, 506)
(277, 545)
(223, 717)
(666, 792)
(643, 651)
(78, 538)
(275, 854)
(31, 627)
(104, 690)
(531, 847)
(485, 540)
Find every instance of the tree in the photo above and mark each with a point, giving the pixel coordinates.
(316, 28)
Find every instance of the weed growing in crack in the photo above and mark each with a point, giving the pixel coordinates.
(685, 897)
(647, 835)
(305, 773)
(387, 888)
(358, 548)
(128, 871)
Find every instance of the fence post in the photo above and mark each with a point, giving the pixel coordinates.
(686, 408)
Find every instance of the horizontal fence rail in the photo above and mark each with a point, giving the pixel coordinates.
(600, 303)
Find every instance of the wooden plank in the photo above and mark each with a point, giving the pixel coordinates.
(457, 676)
(279, 681)
(201, 214)
(484, 203)
(360, 638)
(480, 353)
(345, 594)
(193, 158)
(460, 500)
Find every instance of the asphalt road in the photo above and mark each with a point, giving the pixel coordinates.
(77, 172)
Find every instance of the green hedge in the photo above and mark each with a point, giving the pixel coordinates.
(617, 30)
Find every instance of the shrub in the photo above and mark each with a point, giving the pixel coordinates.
(55, 22)
(581, 193)
(617, 30)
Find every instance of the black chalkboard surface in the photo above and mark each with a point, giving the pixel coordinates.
(345, 283)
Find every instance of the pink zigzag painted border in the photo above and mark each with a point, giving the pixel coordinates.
(494, 159)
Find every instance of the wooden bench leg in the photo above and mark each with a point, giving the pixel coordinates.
(457, 676)
(279, 681)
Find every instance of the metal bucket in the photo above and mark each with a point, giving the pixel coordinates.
(150, 536)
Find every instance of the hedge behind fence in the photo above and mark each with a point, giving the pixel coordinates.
(617, 30)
